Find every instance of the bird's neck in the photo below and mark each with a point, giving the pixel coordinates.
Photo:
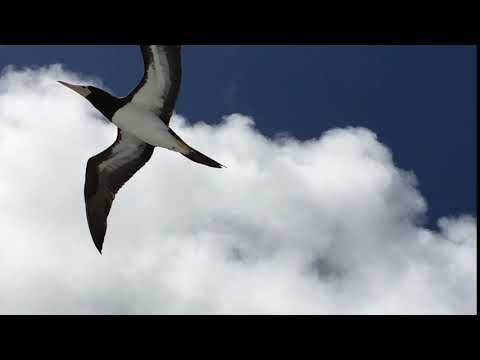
(107, 104)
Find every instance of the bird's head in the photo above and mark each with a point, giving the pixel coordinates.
(100, 99)
(83, 90)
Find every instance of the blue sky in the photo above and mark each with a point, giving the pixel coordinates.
(420, 100)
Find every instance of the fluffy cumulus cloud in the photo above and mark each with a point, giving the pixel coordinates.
(325, 226)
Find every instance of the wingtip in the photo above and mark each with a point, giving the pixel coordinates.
(99, 248)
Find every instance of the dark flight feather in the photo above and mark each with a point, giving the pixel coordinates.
(106, 174)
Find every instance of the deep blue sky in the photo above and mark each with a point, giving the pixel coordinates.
(420, 100)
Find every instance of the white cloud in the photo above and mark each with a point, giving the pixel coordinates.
(327, 226)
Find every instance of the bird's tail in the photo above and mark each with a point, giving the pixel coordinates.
(194, 155)
(200, 158)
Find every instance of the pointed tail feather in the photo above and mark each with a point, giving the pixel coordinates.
(198, 157)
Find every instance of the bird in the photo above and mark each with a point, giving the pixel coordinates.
(142, 119)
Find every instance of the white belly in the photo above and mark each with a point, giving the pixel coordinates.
(145, 125)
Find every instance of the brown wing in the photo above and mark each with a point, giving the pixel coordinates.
(106, 173)
(159, 88)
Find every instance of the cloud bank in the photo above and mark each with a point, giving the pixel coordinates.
(325, 226)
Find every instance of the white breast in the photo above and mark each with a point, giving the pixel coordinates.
(144, 125)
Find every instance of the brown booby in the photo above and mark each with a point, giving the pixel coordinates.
(142, 119)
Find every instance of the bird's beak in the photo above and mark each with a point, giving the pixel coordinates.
(78, 89)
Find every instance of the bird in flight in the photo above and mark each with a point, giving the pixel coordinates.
(142, 118)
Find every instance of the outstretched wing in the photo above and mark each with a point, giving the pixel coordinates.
(106, 173)
(158, 90)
